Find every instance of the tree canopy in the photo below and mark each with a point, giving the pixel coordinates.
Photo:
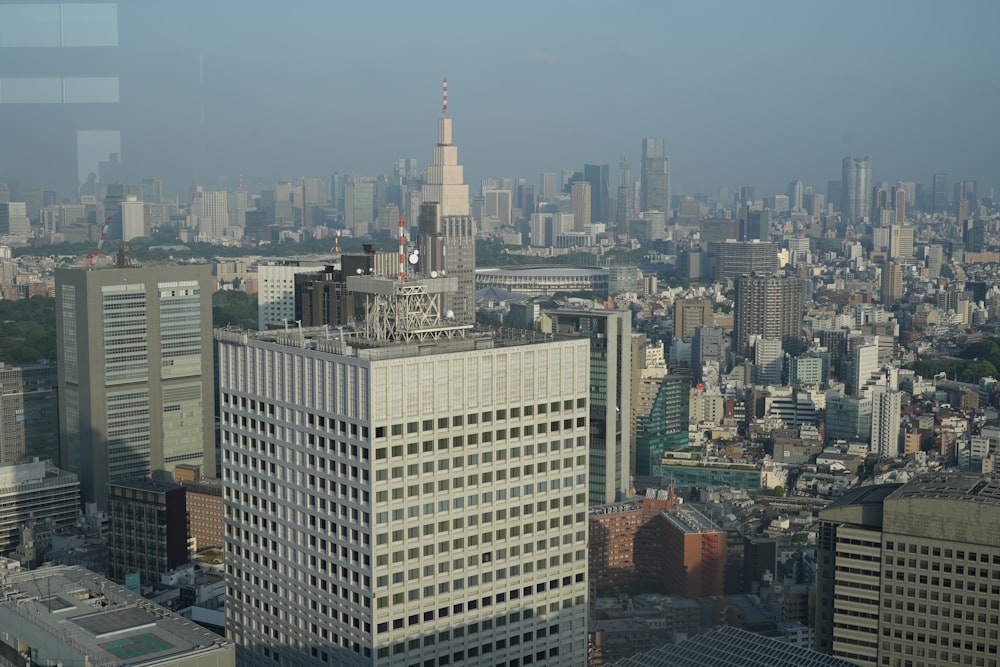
(28, 330)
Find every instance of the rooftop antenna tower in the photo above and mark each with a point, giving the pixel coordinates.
(444, 95)
(402, 253)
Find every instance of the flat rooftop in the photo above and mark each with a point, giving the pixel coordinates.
(65, 610)
(955, 486)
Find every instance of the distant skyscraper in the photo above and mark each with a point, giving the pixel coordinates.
(856, 189)
(899, 202)
(757, 226)
(359, 204)
(447, 236)
(581, 202)
(135, 373)
(597, 176)
(655, 181)
(935, 255)
(795, 195)
(769, 306)
(940, 196)
(210, 210)
(549, 185)
(445, 180)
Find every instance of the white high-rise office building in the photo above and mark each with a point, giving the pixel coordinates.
(210, 210)
(406, 495)
(133, 218)
(445, 180)
(864, 363)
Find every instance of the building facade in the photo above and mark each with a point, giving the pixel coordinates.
(135, 373)
(768, 306)
(908, 574)
(35, 492)
(856, 189)
(425, 502)
(609, 333)
(148, 529)
(29, 413)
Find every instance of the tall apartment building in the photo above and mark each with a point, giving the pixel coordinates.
(35, 492)
(663, 406)
(581, 201)
(408, 495)
(694, 554)
(609, 333)
(911, 574)
(770, 306)
(29, 413)
(135, 373)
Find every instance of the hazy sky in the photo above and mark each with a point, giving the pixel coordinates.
(744, 93)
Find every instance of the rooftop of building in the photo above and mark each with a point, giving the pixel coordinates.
(691, 521)
(542, 271)
(209, 486)
(63, 611)
(953, 486)
(32, 472)
(350, 342)
(145, 484)
(732, 647)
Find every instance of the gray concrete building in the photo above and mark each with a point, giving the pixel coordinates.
(910, 574)
(135, 373)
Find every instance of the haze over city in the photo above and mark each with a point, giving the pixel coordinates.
(744, 94)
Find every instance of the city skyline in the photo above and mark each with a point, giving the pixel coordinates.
(321, 99)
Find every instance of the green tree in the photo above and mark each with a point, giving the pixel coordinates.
(778, 492)
(27, 330)
(234, 307)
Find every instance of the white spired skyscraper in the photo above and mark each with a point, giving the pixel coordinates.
(407, 495)
(445, 225)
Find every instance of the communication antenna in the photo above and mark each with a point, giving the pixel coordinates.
(402, 261)
(336, 243)
(100, 242)
(444, 96)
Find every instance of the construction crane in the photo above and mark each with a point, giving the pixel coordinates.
(100, 242)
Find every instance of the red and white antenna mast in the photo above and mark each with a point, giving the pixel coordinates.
(444, 96)
(336, 243)
(100, 242)
(402, 255)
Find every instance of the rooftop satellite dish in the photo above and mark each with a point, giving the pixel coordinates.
(358, 271)
(414, 258)
(450, 314)
(434, 274)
